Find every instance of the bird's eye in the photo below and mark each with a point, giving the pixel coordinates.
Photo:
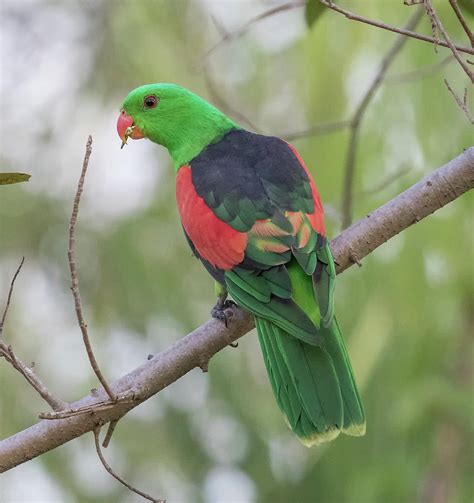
(150, 101)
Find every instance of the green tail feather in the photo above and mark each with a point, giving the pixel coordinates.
(314, 387)
(302, 346)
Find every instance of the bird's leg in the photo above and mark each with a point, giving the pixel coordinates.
(222, 305)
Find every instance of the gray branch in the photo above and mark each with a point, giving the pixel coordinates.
(428, 195)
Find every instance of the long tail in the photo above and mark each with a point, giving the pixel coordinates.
(314, 386)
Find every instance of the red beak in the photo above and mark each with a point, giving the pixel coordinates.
(124, 123)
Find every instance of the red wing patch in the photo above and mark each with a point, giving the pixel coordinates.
(214, 240)
(316, 218)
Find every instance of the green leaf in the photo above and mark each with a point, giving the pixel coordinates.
(313, 12)
(9, 178)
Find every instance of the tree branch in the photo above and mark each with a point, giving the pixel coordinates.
(462, 104)
(428, 195)
(462, 20)
(71, 253)
(117, 477)
(439, 25)
(9, 296)
(6, 351)
(402, 31)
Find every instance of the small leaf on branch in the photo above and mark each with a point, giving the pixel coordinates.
(9, 178)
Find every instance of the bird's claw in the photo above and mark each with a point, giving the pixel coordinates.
(223, 310)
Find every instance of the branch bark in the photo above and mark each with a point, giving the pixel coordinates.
(428, 195)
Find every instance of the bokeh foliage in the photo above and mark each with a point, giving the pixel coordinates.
(407, 314)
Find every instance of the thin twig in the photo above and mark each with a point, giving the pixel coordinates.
(6, 351)
(10, 293)
(219, 27)
(419, 73)
(115, 476)
(433, 22)
(349, 170)
(89, 409)
(227, 36)
(30, 375)
(435, 18)
(74, 277)
(110, 432)
(402, 31)
(317, 130)
(462, 20)
(463, 105)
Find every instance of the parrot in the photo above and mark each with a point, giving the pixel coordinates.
(252, 215)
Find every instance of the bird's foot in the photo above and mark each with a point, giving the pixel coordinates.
(223, 310)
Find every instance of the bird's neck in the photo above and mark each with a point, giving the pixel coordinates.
(196, 133)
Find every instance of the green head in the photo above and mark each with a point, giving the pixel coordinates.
(174, 117)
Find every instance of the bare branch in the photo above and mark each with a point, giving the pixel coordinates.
(402, 31)
(115, 476)
(10, 293)
(110, 432)
(463, 105)
(435, 19)
(425, 197)
(462, 20)
(428, 195)
(28, 373)
(99, 406)
(349, 170)
(74, 278)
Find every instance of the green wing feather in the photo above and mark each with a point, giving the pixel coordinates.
(253, 292)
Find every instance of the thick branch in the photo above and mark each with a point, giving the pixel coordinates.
(425, 197)
(433, 192)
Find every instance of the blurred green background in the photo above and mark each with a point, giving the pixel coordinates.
(218, 437)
